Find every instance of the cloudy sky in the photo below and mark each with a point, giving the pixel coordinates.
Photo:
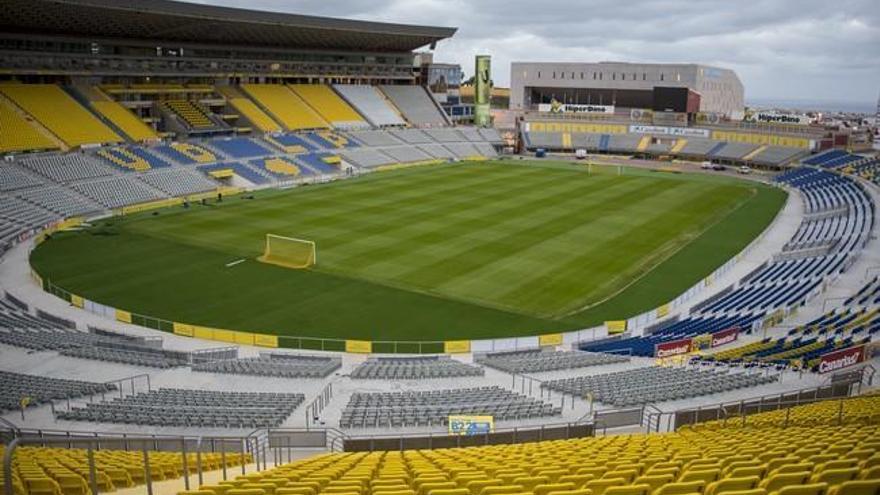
(782, 49)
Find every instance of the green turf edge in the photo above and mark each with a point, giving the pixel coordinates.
(647, 293)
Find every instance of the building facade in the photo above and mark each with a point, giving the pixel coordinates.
(623, 85)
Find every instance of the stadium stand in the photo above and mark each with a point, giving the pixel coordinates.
(59, 113)
(132, 158)
(12, 178)
(60, 200)
(376, 138)
(371, 103)
(115, 192)
(291, 143)
(17, 216)
(66, 470)
(329, 106)
(239, 169)
(366, 158)
(249, 109)
(321, 163)
(122, 118)
(330, 140)
(413, 368)
(285, 106)
(191, 408)
(538, 360)
(437, 151)
(463, 151)
(431, 408)
(19, 134)
(445, 135)
(67, 168)
(186, 153)
(274, 364)
(655, 384)
(734, 151)
(412, 136)
(178, 182)
(280, 168)
(406, 154)
(37, 390)
(239, 147)
(191, 113)
(776, 155)
(416, 105)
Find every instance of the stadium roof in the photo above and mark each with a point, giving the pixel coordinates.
(170, 21)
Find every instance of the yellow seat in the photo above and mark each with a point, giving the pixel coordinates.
(552, 487)
(42, 486)
(655, 481)
(835, 476)
(449, 491)
(871, 474)
(754, 491)
(579, 480)
(530, 482)
(268, 488)
(732, 485)
(598, 487)
(743, 472)
(72, 484)
(426, 488)
(681, 488)
(810, 489)
(246, 491)
(501, 490)
(706, 476)
(626, 474)
(629, 490)
(219, 489)
(672, 471)
(859, 487)
(779, 481)
(476, 486)
(801, 467)
(298, 490)
(195, 492)
(582, 491)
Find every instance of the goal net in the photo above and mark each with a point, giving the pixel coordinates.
(288, 252)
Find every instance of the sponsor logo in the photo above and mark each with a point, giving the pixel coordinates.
(556, 106)
(841, 359)
(724, 337)
(673, 348)
(669, 131)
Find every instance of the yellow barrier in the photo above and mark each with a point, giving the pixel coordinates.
(359, 346)
(553, 339)
(615, 326)
(589, 128)
(123, 316)
(77, 301)
(203, 333)
(264, 340)
(183, 329)
(457, 346)
(243, 338)
(152, 205)
(663, 311)
(224, 335)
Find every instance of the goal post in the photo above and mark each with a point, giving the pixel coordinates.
(288, 252)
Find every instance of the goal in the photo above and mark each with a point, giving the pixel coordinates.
(288, 252)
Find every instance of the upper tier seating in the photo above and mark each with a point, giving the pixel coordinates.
(115, 192)
(538, 360)
(395, 409)
(193, 114)
(330, 106)
(655, 384)
(416, 105)
(125, 120)
(279, 365)
(191, 408)
(249, 109)
(292, 143)
(67, 168)
(65, 471)
(18, 134)
(287, 108)
(60, 113)
(413, 368)
(41, 389)
(371, 103)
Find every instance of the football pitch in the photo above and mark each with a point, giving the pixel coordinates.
(459, 251)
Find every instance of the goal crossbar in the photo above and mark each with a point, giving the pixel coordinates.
(289, 252)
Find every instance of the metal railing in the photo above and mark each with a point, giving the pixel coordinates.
(145, 444)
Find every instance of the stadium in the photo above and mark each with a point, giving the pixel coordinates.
(254, 253)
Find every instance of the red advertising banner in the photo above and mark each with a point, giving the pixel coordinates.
(673, 348)
(725, 336)
(843, 358)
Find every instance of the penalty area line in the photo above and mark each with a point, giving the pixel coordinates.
(236, 262)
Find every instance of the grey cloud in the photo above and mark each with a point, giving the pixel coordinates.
(786, 49)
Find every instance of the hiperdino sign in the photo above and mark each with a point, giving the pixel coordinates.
(777, 118)
(556, 107)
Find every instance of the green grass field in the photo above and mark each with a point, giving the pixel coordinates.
(473, 250)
